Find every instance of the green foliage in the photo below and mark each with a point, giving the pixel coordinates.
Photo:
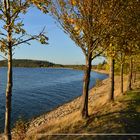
(107, 67)
(85, 22)
(100, 66)
(41, 4)
(124, 36)
(12, 30)
(28, 63)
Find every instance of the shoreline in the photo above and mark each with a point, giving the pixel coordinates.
(101, 71)
(62, 110)
(98, 96)
(68, 107)
(71, 100)
(59, 106)
(104, 117)
(49, 115)
(67, 112)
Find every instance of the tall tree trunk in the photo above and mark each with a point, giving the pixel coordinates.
(111, 93)
(84, 102)
(129, 85)
(9, 74)
(121, 78)
(8, 97)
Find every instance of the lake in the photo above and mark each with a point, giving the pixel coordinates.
(38, 90)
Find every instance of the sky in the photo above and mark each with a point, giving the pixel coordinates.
(60, 50)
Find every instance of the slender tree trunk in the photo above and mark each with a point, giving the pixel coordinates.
(84, 104)
(134, 73)
(121, 78)
(129, 85)
(8, 97)
(111, 93)
(7, 130)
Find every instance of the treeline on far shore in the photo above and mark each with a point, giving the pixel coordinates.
(29, 63)
(45, 64)
(40, 63)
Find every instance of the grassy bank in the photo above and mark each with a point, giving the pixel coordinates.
(120, 117)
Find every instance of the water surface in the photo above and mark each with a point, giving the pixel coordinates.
(38, 90)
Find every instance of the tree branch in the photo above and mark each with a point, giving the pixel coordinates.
(24, 41)
(3, 57)
(3, 34)
(99, 53)
(35, 37)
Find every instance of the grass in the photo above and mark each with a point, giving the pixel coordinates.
(120, 117)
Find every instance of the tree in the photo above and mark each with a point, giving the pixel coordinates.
(111, 54)
(132, 36)
(124, 38)
(41, 4)
(86, 23)
(121, 59)
(12, 34)
(136, 66)
(129, 85)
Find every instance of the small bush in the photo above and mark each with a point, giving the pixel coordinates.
(98, 82)
(20, 129)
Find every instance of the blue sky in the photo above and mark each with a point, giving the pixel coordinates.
(61, 48)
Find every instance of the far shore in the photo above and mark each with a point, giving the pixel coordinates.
(101, 71)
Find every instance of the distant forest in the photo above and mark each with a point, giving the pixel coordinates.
(29, 63)
(38, 63)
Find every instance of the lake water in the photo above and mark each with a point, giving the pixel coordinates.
(38, 90)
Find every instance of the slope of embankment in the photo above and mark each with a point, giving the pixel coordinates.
(121, 117)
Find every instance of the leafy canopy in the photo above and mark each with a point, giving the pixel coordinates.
(12, 27)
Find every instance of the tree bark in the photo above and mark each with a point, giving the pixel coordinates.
(7, 130)
(129, 85)
(84, 102)
(135, 76)
(134, 73)
(8, 97)
(121, 78)
(111, 93)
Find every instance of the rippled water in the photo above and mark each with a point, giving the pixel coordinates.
(38, 90)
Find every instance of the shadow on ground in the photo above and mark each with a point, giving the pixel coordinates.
(119, 120)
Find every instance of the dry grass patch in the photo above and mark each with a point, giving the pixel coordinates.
(121, 116)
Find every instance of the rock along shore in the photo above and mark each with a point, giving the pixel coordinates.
(64, 109)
